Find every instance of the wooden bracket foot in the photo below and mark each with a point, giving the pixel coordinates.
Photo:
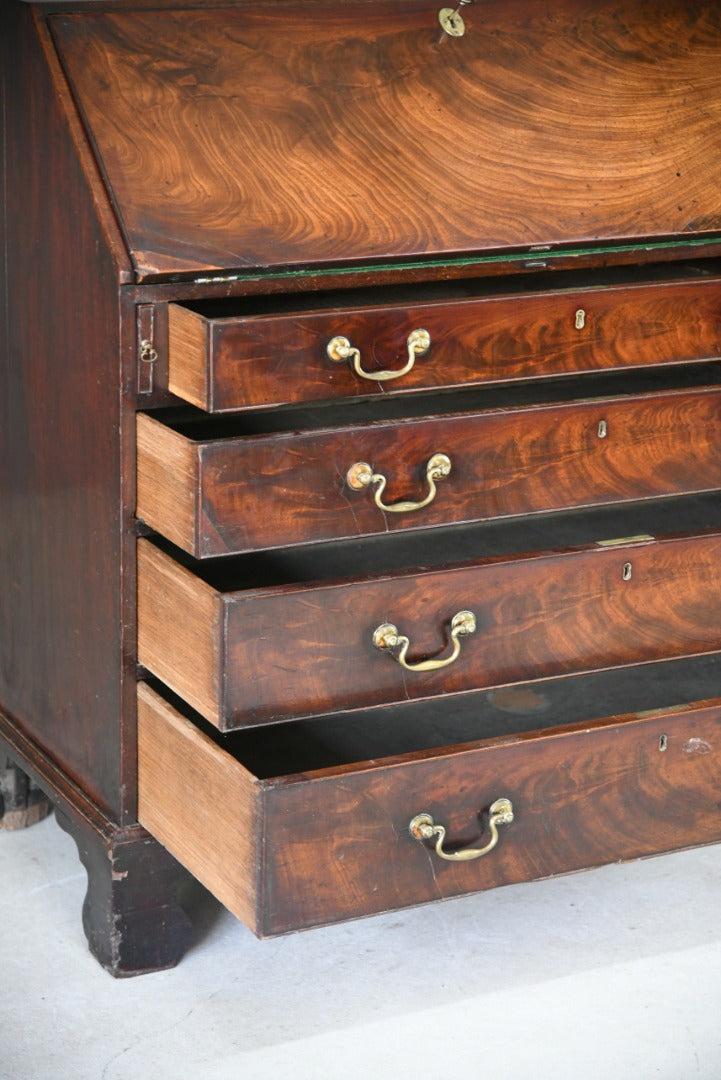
(132, 915)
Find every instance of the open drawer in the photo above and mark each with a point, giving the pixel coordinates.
(222, 361)
(261, 639)
(276, 479)
(311, 823)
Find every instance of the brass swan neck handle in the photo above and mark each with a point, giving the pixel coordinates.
(386, 636)
(361, 476)
(339, 349)
(423, 827)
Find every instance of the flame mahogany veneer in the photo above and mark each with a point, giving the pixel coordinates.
(197, 196)
(226, 496)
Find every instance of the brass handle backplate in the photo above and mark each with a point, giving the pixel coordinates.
(386, 636)
(361, 476)
(423, 827)
(340, 349)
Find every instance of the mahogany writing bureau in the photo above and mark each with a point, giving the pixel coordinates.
(360, 540)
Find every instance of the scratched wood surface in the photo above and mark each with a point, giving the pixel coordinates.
(317, 136)
(244, 494)
(293, 651)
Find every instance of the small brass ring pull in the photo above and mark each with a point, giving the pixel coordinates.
(340, 349)
(423, 827)
(386, 636)
(361, 476)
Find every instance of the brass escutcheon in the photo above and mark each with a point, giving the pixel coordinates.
(339, 349)
(361, 475)
(423, 827)
(387, 637)
(452, 21)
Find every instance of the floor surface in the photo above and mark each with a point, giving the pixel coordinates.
(613, 974)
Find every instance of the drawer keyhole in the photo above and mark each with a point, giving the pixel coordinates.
(580, 319)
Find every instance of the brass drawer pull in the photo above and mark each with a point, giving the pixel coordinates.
(422, 827)
(340, 349)
(386, 636)
(361, 476)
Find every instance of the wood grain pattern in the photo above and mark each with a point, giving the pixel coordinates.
(242, 494)
(226, 363)
(175, 606)
(192, 796)
(167, 481)
(584, 798)
(303, 850)
(307, 650)
(189, 374)
(288, 147)
(412, 147)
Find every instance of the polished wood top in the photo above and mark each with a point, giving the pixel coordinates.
(294, 135)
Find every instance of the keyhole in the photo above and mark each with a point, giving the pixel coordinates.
(580, 319)
(627, 571)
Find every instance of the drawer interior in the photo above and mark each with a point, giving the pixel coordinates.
(414, 728)
(369, 558)
(195, 424)
(428, 292)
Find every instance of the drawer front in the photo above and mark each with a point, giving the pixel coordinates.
(222, 364)
(341, 846)
(248, 658)
(243, 494)
(303, 850)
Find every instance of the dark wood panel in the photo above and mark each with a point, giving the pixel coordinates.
(221, 364)
(244, 494)
(60, 579)
(308, 650)
(341, 846)
(413, 144)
